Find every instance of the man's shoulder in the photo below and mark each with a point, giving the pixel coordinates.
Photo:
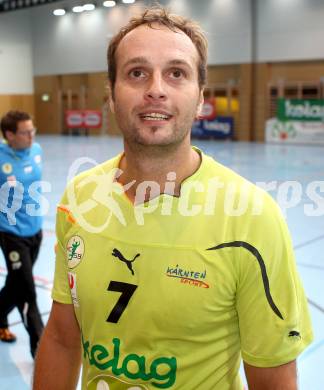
(6, 154)
(101, 169)
(237, 186)
(81, 186)
(213, 168)
(36, 148)
(3, 146)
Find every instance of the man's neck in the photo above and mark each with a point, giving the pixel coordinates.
(15, 148)
(167, 165)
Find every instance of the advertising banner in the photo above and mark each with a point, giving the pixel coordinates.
(311, 110)
(220, 127)
(73, 119)
(208, 109)
(294, 132)
(90, 119)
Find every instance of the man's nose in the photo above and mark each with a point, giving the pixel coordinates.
(156, 88)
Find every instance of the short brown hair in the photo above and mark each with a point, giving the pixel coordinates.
(10, 120)
(158, 14)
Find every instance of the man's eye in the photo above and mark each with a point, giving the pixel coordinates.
(177, 73)
(136, 73)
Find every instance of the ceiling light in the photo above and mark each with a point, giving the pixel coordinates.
(128, 1)
(109, 3)
(89, 7)
(59, 12)
(77, 9)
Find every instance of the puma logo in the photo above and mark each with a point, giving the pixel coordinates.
(129, 263)
(294, 333)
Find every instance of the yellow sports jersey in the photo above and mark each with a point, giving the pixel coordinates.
(171, 293)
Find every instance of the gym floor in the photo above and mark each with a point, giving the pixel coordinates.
(257, 162)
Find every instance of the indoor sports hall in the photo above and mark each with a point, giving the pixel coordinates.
(263, 117)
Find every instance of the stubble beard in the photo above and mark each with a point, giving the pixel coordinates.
(140, 140)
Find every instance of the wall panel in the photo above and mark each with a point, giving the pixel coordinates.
(17, 102)
(251, 81)
(48, 118)
(223, 73)
(260, 100)
(297, 71)
(244, 128)
(85, 91)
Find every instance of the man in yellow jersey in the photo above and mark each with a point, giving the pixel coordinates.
(170, 268)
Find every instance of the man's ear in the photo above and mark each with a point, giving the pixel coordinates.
(111, 98)
(111, 105)
(9, 135)
(200, 103)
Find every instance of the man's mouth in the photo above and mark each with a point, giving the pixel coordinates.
(155, 116)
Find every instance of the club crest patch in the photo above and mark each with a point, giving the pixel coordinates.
(74, 251)
(6, 168)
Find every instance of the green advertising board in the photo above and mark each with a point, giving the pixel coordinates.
(307, 110)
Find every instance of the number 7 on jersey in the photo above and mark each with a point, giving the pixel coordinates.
(127, 290)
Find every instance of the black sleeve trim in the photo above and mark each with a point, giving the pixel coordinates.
(256, 254)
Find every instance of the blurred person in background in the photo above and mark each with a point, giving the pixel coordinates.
(20, 223)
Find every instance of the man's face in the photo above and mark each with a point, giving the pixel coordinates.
(156, 94)
(24, 136)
